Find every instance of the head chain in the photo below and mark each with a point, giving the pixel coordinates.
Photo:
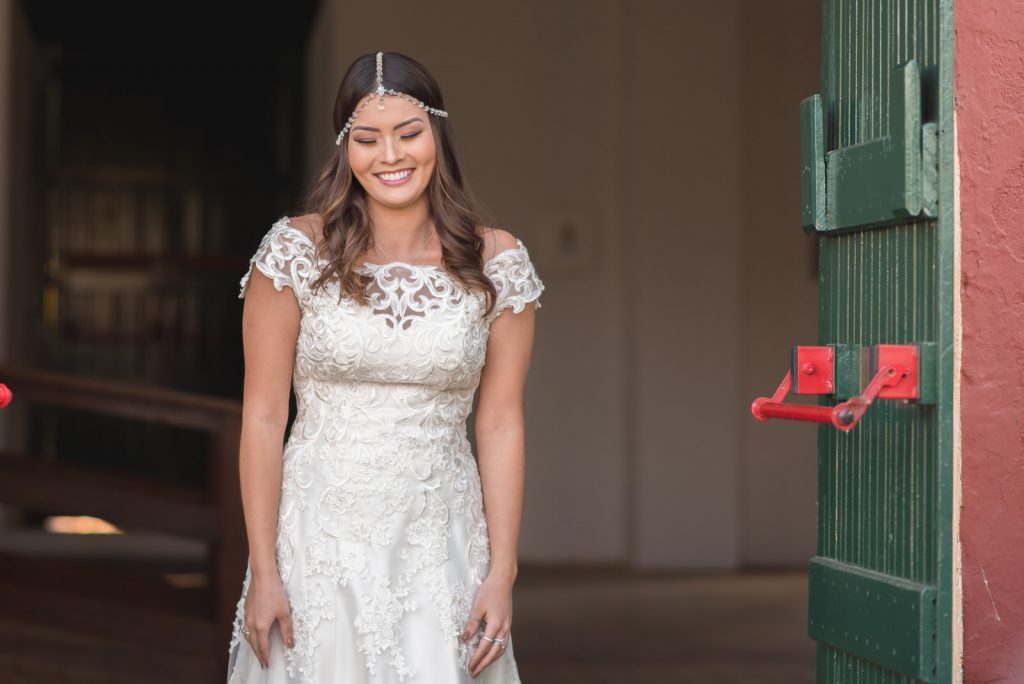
(381, 91)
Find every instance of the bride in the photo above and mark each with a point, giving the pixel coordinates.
(381, 548)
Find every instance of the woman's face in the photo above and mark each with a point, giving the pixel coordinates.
(391, 151)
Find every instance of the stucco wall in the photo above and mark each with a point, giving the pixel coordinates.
(990, 129)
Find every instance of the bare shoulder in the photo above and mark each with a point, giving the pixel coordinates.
(496, 240)
(310, 224)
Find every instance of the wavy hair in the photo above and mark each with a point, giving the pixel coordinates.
(340, 200)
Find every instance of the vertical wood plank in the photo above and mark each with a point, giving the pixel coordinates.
(882, 487)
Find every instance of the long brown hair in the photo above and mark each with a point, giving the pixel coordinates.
(340, 200)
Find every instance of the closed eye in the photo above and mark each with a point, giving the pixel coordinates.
(370, 141)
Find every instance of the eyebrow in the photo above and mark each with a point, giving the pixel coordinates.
(370, 128)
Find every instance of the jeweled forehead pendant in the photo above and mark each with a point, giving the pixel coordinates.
(381, 91)
(380, 79)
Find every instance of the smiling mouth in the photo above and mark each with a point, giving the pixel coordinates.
(394, 177)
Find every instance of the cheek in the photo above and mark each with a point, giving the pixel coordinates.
(426, 150)
(361, 157)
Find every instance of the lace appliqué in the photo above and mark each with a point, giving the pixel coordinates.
(403, 292)
(285, 256)
(514, 278)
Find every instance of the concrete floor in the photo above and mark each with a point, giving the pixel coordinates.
(569, 627)
(718, 629)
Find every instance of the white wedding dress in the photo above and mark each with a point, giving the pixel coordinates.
(381, 536)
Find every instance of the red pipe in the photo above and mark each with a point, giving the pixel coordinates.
(763, 410)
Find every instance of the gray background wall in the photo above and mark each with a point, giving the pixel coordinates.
(668, 134)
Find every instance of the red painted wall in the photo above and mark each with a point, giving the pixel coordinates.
(990, 121)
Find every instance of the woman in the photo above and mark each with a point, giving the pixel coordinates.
(371, 557)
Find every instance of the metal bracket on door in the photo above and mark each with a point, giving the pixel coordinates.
(878, 182)
(896, 374)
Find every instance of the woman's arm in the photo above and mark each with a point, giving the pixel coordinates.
(270, 324)
(501, 453)
(501, 434)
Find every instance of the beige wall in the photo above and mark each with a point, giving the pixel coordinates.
(778, 466)
(635, 122)
(681, 236)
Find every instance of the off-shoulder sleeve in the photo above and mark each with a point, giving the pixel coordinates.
(285, 256)
(515, 279)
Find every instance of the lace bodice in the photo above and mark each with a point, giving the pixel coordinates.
(382, 540)
(286, 255)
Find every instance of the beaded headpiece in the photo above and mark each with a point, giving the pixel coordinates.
(381, 91)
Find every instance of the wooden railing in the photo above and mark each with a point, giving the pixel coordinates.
(132, 503)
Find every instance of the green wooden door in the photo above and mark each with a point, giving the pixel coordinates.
(877, 191)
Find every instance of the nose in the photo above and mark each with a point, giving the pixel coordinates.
(392, 153)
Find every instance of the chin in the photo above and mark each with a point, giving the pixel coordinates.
(399, 203)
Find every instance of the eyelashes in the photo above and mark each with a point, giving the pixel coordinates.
(370, 141)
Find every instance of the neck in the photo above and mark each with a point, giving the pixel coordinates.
(401, 231)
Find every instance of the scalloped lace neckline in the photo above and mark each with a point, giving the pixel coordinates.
(375, 266)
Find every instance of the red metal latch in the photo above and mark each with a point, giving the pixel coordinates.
(814, 370)
(896, 377)
(907, 356)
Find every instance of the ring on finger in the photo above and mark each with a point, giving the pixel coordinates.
(500, 643)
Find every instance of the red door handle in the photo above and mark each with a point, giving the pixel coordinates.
(5, 395)
(843, 415)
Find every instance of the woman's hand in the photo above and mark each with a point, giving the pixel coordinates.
(265, 603)
(492, 614)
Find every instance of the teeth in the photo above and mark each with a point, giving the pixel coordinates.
(399, 175)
